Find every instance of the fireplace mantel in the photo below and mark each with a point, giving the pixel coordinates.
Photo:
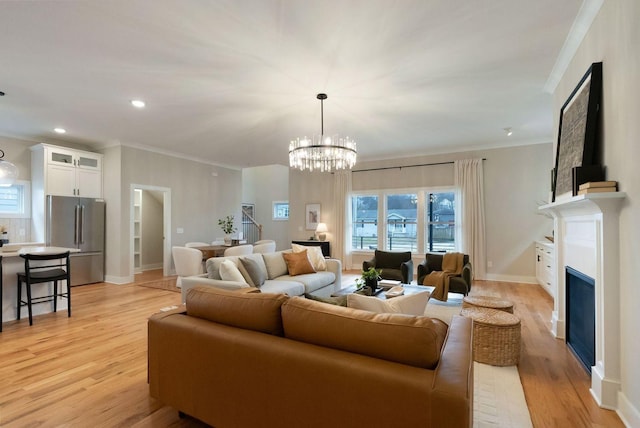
(587, 239)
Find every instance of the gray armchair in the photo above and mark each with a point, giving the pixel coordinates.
(395, 265)
(458, 284)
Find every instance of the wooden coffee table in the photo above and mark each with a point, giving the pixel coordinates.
(408, 289)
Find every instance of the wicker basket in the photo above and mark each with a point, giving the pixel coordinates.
(496, 336)
(487, 302)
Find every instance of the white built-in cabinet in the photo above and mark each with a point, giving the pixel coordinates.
(137, 230)
(61, 171)
(545, 262)
(72, 172)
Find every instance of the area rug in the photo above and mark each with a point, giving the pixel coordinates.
(168, 284)
(498, 398)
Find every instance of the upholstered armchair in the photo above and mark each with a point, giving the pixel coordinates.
(395, 265)
(457, 284)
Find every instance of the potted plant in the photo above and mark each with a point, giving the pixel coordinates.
(226, 224)
(369, 279)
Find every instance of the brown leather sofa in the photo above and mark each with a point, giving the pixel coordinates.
(267, 360)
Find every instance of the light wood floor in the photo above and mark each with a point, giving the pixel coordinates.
(90, 370)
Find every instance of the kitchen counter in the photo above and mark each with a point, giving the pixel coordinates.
(11, 265)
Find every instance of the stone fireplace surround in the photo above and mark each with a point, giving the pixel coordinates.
(587, 239)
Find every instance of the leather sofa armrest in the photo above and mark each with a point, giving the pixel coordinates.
(422, 270)
(467, 274)
(407, 271)
(453, 379)
(369, 264)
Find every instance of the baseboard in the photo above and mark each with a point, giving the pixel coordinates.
(119, 280)
(510, 278)
(152, 266)
(629, 414)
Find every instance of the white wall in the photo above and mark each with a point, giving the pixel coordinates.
(200, 195)
(516, 179)
(262, 186)
(614, 39)
(152, 233)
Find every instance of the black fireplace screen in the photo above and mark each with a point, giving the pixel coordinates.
(581, 316)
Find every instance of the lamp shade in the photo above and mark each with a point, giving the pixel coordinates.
(321, 230)
(8, 173)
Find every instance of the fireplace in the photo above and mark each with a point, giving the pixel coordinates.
(581, 316)
(586, 239)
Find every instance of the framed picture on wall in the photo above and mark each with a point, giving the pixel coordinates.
(578, 131)
(312, 216)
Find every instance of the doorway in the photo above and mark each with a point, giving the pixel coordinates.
(150, 245)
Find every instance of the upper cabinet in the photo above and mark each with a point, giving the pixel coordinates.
(68, 172)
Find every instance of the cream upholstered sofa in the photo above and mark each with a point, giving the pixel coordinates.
(324, 282)
(268, 360)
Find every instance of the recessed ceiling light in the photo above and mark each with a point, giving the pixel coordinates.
(508, 131)
(137, 103)
(60, 130)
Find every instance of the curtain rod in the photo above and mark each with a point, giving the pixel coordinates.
(406, 166)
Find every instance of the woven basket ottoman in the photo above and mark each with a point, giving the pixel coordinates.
(496, 336)
(487, 302)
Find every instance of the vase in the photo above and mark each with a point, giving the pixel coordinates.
(372, 283)
(227, 240)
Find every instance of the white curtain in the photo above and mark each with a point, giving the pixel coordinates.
(469, 179)
(342, 188)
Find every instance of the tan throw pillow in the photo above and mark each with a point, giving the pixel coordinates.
(298, 263)
(410, 304)
(229, 272)
(314, 254)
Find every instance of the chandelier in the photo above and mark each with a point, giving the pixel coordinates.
(324, 153)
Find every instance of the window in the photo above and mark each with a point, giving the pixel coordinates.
(440, 221)
(402, 216)
(364, 222)
(416, 221)
(281, 210)
(15, 200)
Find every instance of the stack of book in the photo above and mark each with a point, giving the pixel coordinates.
(598, 187)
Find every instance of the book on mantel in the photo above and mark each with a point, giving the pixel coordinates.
(587, 188)
(596, 184)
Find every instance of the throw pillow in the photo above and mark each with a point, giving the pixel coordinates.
(410, 304)
(274, 264)
(337, 300)
(253, 269)
(298, 263)
(229, 272)
(315, 256)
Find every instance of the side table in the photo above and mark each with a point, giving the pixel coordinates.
(487, 302)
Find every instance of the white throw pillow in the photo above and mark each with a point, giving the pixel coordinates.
(314, 254)
(230, 272)
(410, 304)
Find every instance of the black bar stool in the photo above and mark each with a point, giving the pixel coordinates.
(39, 272)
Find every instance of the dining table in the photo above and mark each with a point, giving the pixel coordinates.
(212, 251)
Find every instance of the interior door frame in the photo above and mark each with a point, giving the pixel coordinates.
(166, 226)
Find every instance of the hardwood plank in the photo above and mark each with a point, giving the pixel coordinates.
(91, 369)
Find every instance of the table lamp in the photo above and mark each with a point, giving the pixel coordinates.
(321, 230)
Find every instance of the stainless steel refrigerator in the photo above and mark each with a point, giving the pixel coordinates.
(74, 222)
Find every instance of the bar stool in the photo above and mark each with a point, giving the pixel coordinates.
(36, 273)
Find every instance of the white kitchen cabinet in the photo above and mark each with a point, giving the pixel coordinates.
(72, 173)
(545, 262)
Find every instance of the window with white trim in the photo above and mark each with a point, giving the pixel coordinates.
(281, 210)
(15, 200)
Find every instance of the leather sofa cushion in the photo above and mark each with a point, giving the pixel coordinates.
(415, 341)
(251, 311)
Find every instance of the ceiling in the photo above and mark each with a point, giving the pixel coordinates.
(232, 82)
